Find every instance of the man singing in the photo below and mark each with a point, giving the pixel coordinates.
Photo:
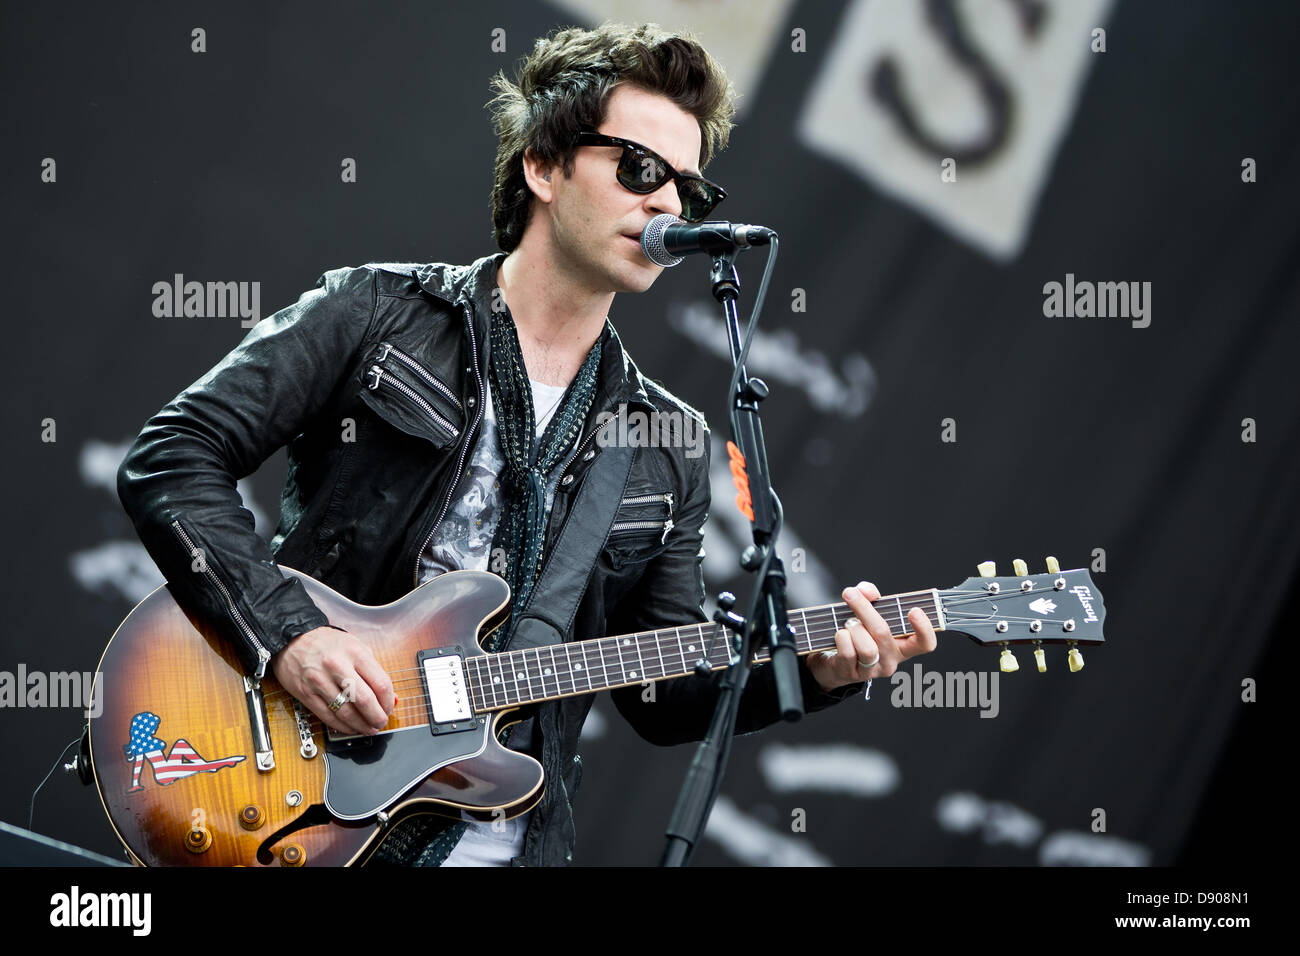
(440, 417)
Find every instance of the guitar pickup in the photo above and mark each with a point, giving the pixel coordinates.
(446, 690)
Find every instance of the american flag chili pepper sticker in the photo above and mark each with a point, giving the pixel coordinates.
(181, 762)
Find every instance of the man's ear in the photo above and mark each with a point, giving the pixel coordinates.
(537, 176)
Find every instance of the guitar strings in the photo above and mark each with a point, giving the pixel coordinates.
(485, 695)
(820, 615)
(830, 614)
(485, 698)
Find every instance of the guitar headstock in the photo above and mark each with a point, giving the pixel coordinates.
(1058, 607)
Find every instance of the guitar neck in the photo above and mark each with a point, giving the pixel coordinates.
(516, 678)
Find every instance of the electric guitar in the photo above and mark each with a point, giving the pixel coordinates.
(197, 764)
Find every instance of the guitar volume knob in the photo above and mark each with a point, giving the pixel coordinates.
(198, 839)
(251, 817)
(293, 855)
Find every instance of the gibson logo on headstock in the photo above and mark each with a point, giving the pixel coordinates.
(1084, 594)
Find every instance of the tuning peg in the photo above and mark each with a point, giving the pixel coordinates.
(1019, 568)
(1053, 566)
(1007, 662)
(988, 569)
(1040, 658)
(1076, 659)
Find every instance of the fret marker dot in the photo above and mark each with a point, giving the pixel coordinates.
(626, 642)
(633, 673)
(690, 647)
(547, 672)
(577, 667)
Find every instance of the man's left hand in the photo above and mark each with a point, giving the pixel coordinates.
(865, 636)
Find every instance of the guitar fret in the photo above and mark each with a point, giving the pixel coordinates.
(541, 679)
(586, 666)
(487, 666)
(604, 648)
(621, 666)
(519, 668)
(527, 672)
(471, 682)
(507, 668)
(640, 662)
(555, 671)
(479, 695)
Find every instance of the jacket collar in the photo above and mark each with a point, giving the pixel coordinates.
(473, 284)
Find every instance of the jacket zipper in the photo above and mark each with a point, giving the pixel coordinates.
(618, 526)
(419, 370)
(414, 396)
(464, 448)
(263, 655)
(646, 524)
(666, 497)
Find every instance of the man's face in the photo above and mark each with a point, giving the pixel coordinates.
(592, 214)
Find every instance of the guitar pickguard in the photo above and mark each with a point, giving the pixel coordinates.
(363, 775)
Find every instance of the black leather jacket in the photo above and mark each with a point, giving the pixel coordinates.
(374, 463)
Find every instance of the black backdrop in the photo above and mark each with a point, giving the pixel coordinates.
(920, 305)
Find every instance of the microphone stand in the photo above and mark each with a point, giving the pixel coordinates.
(768, 609)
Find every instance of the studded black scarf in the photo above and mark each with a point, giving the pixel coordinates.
(521, 526)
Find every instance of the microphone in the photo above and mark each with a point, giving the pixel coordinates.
(666, 238)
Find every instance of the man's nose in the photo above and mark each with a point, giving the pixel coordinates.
(665, 199)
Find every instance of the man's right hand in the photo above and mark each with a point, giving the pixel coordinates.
(318, 665)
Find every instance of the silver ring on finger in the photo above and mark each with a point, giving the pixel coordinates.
(867, 666)
(338, 701)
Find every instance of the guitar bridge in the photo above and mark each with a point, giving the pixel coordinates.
(446, 691)
(307, 739)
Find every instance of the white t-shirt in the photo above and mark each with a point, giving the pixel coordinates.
(463, 542)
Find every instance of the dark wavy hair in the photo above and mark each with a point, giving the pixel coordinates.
(563, 87)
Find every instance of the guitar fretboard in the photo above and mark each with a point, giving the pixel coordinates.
(515, 678)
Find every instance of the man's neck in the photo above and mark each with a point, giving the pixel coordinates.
(558, 319)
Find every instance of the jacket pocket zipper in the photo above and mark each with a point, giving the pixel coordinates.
(263, 655)
(621, 526)
(646, 524)
(419, 370)
(377, 374)
(666, 498)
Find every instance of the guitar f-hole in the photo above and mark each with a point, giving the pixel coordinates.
(314, 816)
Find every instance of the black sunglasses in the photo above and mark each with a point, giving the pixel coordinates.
(643, 170)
